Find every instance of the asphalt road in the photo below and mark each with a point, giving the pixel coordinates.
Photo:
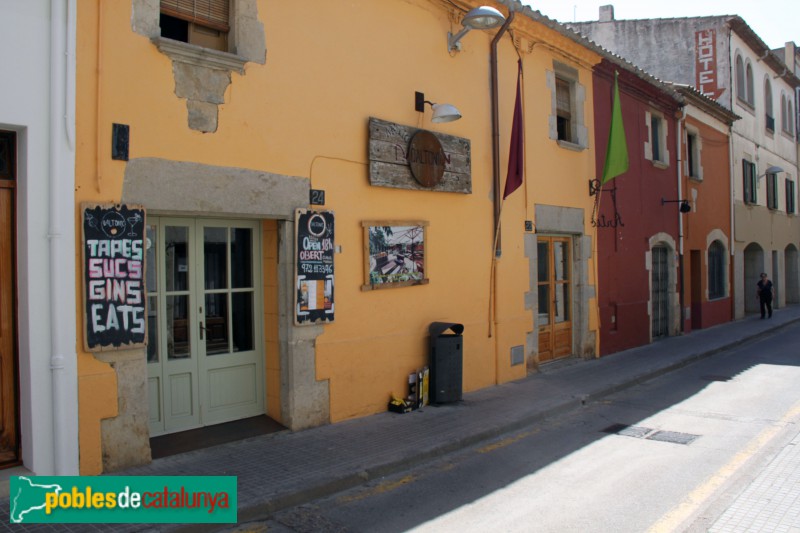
(666, 455)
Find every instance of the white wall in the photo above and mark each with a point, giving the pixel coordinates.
(750, 137)
(36, 108)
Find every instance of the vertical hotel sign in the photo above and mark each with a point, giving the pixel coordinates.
(705, 46)
(314, 257)
(113, 270)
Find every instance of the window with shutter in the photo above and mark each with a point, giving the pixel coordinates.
(566, 123)
(205, 23)
(790, 194)
(750, 182)
(772, 191)
(564, 110)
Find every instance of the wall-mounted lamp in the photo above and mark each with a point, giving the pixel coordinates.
(441, 112)
(684, 207)
(774, 169)
(480, 18)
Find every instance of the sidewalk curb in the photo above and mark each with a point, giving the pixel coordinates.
(338, 484)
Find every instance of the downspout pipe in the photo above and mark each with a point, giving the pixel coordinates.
(63, 356)
(679, 145)
(496, 127)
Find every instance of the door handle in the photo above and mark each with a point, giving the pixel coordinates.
(202, 330)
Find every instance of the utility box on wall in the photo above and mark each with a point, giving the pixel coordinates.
(447, 356)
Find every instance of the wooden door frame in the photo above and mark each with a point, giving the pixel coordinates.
(9, 182)
(552, 285)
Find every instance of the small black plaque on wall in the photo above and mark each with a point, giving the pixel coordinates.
(316, 197)
(120, 140)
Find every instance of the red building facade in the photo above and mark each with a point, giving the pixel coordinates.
(638, 215)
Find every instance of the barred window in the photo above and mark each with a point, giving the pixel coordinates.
(716, 270)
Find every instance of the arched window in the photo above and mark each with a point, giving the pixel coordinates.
(749, 79)
(741, 89)
(770, 117)
(716, 270)
(787, 115)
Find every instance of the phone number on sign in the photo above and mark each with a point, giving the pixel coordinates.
(316, 269)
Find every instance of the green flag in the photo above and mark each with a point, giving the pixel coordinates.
(617, 149)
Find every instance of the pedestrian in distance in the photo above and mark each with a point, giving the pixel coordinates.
(764, 293)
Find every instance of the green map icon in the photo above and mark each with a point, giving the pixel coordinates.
(28, 497)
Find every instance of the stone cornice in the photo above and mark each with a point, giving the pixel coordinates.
(199, 56)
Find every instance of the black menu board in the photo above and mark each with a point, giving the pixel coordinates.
(315, 277)
(113, 269)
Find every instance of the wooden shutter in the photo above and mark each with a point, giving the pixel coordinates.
(211, 13)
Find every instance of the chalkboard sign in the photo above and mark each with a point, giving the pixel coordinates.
(314, 255)
(113, 256)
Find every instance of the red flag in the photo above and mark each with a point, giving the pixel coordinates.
(517, 149)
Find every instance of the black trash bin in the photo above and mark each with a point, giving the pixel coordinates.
(447, 360)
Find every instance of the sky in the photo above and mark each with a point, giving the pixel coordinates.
(775, 21)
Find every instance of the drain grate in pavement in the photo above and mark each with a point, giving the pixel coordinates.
(673, 437)
(641, 432)
(637, 432)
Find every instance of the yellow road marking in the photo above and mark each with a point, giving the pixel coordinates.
(695, 499)
(507, 441)
(381, 488)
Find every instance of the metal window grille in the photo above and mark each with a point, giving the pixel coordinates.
(716, 270)
(660, 292)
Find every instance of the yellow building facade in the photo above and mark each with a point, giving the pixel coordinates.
(222, 147)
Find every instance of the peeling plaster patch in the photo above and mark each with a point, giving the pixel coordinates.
(203, 75)
(202, 116)
(200, 83)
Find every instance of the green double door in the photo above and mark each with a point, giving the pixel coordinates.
(205, 360)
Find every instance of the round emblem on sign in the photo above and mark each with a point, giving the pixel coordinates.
(317, 225)
(426, 158)
(113, 224)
